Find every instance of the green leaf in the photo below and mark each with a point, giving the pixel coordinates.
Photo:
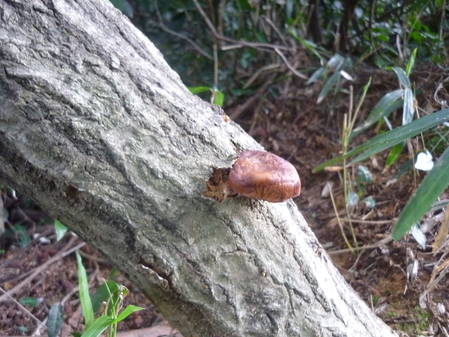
(128, 311)
(320, 72)
(334, 79)
(402, 77)
(428, 191)
(394, 154)
(60, 230)
(364, 174)
(31, 301)
(369, 202)
(98, 326)
(55, 319)
(22, 235)
(103, 294)
(113, 273)
(336, 62)
(86, 303)
(218, 98)
(387, 104)
(115, 299)
(391, 138)
(411, 62)
(439, 205)
(409, 106)
(198, 90)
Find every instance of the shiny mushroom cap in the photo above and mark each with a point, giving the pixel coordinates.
(264, 176)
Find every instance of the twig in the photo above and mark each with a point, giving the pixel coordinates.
(369, 222)
(351, 249)
(168, 30)
(20, 306)
(378, 244)
(256, 45)
(289, 66)
(276, 30)
(237, 44)
(258, 72)
(241, 108)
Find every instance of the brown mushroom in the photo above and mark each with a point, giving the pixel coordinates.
(264, 176)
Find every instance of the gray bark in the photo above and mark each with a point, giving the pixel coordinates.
(98, 129)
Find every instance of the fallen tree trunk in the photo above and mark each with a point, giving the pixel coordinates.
(98, 129)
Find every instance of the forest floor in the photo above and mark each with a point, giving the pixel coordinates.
(403, 283)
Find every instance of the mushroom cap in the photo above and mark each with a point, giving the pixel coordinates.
(264, 176)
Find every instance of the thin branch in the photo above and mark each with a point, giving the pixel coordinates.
(378, 244)
(161, 25)
(20, 306)
(236, 44)
(271, 23)
(289, 66)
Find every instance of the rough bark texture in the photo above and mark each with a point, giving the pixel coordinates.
(98, 129)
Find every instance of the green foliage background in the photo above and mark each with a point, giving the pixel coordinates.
(235, 47)
(380, 33)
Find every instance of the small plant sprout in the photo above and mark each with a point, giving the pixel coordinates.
(113, 311)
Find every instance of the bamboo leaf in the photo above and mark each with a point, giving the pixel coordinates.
(391, 138)
(402, 77)
(411, 62)
(328, 86)
(387, 104)
(320, 72)
(428, 191)
(409, 106)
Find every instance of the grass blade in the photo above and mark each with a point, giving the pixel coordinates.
(86, 303)
(128, 311)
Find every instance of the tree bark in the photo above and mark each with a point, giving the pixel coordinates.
(97, 128)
